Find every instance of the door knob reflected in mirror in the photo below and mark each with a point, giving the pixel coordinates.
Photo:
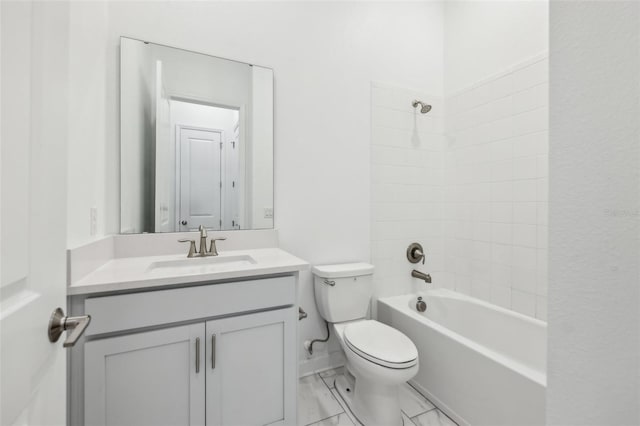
(75, 325)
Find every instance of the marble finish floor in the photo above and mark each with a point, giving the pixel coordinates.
(319, 404)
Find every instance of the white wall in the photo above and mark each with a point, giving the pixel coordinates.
(495, 161)
(406, 187)
(496, 182)
(260, 151)
(483, 38)
(90, 159)
(324, 56)
(594, 293)
(215, 80)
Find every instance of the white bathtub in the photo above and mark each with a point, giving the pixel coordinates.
(481, 364)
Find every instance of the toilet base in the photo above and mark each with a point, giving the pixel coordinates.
(379, 407)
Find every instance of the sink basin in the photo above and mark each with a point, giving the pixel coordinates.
(202, 265)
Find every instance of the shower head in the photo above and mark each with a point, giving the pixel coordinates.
(424, 108)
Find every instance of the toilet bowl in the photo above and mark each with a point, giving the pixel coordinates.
(379, 357)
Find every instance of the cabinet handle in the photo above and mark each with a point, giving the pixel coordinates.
(197, 355)
(213, 351)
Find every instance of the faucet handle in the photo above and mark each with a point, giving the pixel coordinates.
(213, 251)
(415, 253)
(203, 231)
(192, 246)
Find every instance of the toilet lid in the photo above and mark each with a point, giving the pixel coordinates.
(381, 344)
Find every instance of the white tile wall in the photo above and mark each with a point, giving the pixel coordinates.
(470, 185)
(407, 187)
(495, 189)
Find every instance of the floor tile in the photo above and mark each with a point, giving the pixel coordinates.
(412, 402)
(339, 420)
(315, 401)
(433, 418)
(330, 375)
(406, 420)
(344, 406)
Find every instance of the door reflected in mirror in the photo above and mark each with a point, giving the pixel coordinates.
(196, 141)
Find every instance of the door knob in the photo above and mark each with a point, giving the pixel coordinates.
(59, 323)
(184, 223)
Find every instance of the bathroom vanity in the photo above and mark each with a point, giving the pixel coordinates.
(181, 335)
(172, 340)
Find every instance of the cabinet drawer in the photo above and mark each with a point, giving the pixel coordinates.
(146, 309)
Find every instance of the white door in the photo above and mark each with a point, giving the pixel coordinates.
(154, 378)
(33, 210)
(250, 369)
(200, 179)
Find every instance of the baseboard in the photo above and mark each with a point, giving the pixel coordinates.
(320, 363)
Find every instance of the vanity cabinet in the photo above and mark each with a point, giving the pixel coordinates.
(146, 378)
(218, 354)
(246, 377)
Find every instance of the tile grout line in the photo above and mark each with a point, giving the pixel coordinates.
(435, 407)
(411, 419)
(321, 420)
(346, 407)
(332, 395)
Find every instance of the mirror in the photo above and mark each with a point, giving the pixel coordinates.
(196, 141)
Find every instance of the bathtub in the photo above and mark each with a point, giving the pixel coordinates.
(479, 363)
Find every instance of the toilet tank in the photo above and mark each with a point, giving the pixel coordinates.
(343, 291)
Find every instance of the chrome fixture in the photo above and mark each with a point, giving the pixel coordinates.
(197, 355)
(415, 253)
(192, 247)
(421, 275)
(421, 305)
(213, 351)
(424, 108)
(203, 240)
(59, 323)
(329, 282)
(213, 251)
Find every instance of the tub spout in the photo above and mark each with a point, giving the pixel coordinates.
(421, 275)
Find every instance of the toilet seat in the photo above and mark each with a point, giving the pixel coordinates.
(380, 344)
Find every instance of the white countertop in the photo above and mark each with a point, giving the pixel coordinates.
(134, 273)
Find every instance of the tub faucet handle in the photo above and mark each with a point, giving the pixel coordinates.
(415, 253)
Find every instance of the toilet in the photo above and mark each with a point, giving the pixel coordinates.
(379, 357)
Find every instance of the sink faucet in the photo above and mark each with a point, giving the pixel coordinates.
(212, 251)
(421, 275)
(203, 240)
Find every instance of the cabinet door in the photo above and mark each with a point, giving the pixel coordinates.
(251, 369)
(149, 378)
